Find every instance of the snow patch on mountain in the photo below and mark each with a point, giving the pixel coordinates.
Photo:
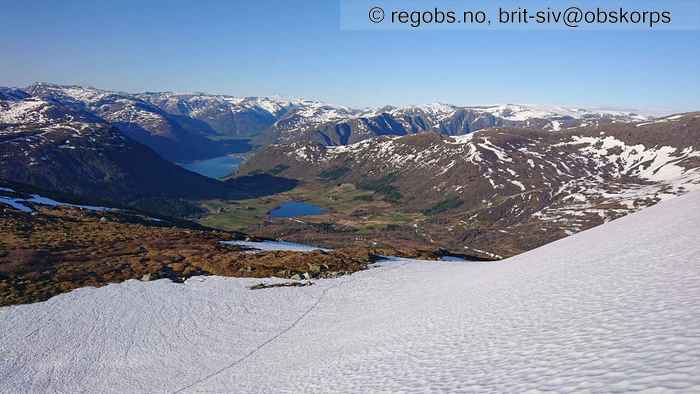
(655, 163)
(500, 153)
(461, 139)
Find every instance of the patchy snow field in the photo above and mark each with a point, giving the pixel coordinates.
(612, 309)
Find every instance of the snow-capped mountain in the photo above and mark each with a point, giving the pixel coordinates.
(67, 149)
(274, 119)
(18, 110)
(508, 189)
(177, 125)
(175, 138)
(613, 309)
(232, 116)
(250, 116)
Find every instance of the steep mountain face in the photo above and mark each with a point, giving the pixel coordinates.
(12, 94)
(506, 190)
(227, 115)
(176, 138)
(265, 118)
(55, 147)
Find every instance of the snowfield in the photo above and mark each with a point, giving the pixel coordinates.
(612, 309)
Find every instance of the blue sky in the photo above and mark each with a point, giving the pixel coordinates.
(297, 49)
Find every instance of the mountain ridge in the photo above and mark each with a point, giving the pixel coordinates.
(160, 119)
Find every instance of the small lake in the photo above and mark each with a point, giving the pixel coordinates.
(217, 167)
(276, 245)
(295, 208)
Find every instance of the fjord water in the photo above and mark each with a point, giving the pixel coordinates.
(217, 167)
(295, 208)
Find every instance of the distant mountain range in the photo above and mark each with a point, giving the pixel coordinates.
(275, 120)
(183, 127)
(444, 119)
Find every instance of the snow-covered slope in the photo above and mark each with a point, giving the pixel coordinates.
(612, 309)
